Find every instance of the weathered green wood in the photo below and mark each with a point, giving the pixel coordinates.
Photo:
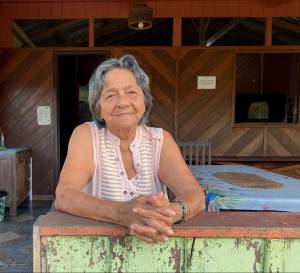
(75, 254)
(133, 255)
(225, 255)
(291, 256)
(179, 254)
(273, 260)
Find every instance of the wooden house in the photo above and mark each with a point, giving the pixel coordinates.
(250, 115)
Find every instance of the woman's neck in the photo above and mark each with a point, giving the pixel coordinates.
(124, 134)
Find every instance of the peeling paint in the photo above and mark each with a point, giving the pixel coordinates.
(288, 243)
(127, 254)
(91, 262)
(238, 242)
(175, 258)
(52, 248)
(205, 243)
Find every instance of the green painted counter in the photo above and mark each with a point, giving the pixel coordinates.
(210, 242)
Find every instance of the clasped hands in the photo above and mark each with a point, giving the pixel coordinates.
(149, 218)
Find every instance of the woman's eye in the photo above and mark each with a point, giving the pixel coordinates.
(109, 96)
(132, 92)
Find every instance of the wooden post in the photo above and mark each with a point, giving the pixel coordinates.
(268, 31)
(91, 32)
(176, 42)
(177, 82)
(177, 31)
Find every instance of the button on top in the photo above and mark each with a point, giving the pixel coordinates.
(121, 173)
(131, 193)
(125, 192)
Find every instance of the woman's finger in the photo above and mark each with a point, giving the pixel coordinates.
(164, 216)
(143, 238)
(166, 210)
(159, 238)
(161, 227)
(148, 232)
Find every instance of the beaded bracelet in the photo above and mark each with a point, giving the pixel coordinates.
(185, 211)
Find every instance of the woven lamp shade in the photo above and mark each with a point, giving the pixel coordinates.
(140, 16)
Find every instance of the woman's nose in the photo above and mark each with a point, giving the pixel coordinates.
(123, 100)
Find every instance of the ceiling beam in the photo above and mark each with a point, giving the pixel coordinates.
(47, 30)
(268, 31)
(203, 25)
(109, 28)
(91, 32)
(21, 35)
(286, 25)
(177, 22)
(223, 31)
(16, 43)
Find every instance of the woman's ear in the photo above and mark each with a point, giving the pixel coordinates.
(100, 115)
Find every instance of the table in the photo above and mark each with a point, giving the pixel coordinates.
(16, 176)
(210, 242)
(241, 187)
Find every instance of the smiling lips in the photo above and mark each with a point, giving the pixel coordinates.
(123, 114)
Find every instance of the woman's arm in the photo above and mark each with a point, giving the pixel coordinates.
(77, 171)
(176, 175)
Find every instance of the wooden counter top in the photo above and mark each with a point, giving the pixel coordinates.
(205, 224)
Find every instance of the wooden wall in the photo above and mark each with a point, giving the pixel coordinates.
(208, 114)
(27, 80)
(34, 9)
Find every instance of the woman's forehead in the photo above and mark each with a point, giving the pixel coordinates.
(117, 74)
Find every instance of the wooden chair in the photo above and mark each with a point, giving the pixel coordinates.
(196, 152)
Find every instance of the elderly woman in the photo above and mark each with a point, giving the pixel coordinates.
(117, 169)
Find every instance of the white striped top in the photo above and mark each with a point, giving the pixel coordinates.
(110, 180)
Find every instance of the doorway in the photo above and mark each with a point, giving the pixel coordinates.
(73, 74)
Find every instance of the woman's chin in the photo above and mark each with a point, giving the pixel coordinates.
(126, 123)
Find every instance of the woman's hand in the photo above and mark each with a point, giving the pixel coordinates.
(159, 209)
(149, 218)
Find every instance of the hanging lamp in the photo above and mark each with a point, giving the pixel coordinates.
(140, 16)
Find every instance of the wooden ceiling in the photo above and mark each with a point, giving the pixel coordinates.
(115, 32)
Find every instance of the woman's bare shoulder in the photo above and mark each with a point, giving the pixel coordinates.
(80, 144)
(78, 165)
(81, 135)
(168, 138)
(82, 130)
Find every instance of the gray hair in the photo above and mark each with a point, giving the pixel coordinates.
(97, 83)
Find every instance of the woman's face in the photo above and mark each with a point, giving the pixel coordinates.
(122, 102)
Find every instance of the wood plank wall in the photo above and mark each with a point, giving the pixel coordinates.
(26, 81)
(208, 114)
